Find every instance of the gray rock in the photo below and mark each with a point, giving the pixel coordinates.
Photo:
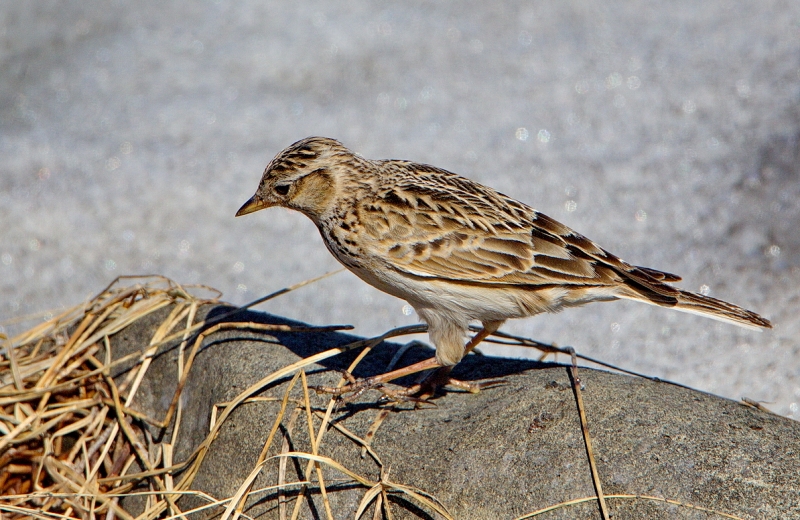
(502, 453)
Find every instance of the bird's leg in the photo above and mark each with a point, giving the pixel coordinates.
(377, 381)
(428, 386)
(441, 377)
(487, 330)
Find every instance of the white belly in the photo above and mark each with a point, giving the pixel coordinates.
(462, 302)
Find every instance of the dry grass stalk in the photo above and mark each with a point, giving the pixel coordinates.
(67, 438)
(662, 500)
(68, 441)
(71, 442)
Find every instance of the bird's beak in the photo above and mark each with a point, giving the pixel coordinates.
(254, 204)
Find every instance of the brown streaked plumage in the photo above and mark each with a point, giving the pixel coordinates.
(456, 250)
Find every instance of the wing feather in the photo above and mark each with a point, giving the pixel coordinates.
(442, 232)
(436, 224)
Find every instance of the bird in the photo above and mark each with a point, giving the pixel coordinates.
(457, 251)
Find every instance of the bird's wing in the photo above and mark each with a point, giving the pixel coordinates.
(440, 225)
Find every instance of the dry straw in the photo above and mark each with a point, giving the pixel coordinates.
(73, 445)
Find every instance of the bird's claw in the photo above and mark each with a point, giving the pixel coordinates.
(475, 388)
(419, 394)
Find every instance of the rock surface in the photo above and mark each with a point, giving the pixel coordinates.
(502, 453)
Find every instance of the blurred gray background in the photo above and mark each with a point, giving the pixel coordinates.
(131, 132)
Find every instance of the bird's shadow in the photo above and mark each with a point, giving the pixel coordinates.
(305, 344)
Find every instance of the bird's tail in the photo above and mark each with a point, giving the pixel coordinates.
(719, 310)
(647, 285)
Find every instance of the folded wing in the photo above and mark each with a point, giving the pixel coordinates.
(447, 227)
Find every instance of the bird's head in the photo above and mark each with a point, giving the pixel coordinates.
(300, 178)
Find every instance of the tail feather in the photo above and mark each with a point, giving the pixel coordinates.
(695, 303)
(719, 310)
(647, 285)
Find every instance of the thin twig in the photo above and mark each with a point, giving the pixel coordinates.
(576, 386)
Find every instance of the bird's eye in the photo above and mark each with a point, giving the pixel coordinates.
(282, 189)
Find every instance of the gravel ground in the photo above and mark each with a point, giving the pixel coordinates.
(667, 132)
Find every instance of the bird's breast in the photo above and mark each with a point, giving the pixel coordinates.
(341, 239)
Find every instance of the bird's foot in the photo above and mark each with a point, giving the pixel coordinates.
(440, 378)
(356, 387)
(474, 388)
(419, 393)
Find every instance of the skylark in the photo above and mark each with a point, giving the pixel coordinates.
(455, 250)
